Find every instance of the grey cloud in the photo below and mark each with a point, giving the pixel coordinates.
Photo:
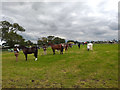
(68, 20)
(113, 26)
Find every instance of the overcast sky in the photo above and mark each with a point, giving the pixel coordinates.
(81, 21)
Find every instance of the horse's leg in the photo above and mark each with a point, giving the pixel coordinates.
(35, 54)
(26, 56)
(61, 51)
(53, 51)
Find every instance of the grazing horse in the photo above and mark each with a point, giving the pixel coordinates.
(31, 50)
(57, 47)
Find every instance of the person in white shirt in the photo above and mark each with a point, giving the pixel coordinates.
(89, 46)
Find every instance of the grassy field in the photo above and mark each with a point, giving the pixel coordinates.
(76, 68)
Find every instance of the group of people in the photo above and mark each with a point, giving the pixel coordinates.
(89, 46)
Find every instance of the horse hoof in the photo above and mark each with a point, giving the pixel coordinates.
(36, 59)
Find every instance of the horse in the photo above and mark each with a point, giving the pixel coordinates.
(56, 47)
(30, 50)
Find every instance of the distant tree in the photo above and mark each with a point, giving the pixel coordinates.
(29, 43)
(7, 27)
(56, 40)
(50, 38)
(9, 33)
(76, 42)
(70, 41)
(88, 41)
(62, 40)
(13, 39)
(39, 42)
(44, 40)
(92, 41)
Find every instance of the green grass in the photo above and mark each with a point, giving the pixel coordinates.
(76, 68)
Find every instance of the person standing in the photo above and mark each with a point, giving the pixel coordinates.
(79, 45)
(16, 52)
(90, 46)
(44, 49)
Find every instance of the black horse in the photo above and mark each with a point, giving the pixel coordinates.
(30, 50)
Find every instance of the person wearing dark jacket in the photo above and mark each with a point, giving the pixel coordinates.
(79, 45)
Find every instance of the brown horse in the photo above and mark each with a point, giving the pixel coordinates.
(56, 47)
(30, 51)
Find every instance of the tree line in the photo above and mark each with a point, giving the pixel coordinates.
(52, 39)
(11, 37)
(8, 33)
